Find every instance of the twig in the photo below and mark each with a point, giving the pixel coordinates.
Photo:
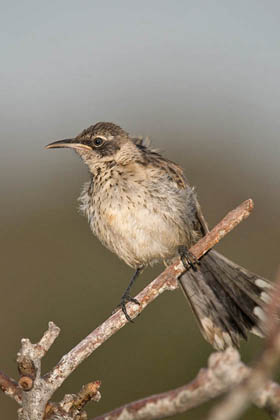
(165, 281)
(71, 407)
(228, 223)
(256, 386)
(224, 371)
(36, 392)
(10, 387)
(88, 392)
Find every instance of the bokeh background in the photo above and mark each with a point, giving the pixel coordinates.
(201, 79)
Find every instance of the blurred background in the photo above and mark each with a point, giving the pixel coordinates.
(201, 79)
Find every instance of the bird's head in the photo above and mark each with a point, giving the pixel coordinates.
(100, 143)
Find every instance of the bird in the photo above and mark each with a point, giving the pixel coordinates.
(141, 207)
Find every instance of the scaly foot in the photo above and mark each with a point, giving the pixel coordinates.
(187, 258)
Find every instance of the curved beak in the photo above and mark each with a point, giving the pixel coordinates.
(70, 143)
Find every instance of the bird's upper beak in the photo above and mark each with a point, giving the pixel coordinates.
(70, 143)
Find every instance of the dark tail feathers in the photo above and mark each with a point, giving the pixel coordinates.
(226, 299)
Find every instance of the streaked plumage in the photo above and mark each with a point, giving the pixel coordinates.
(141, 207)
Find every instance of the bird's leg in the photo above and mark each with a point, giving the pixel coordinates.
(126, 296)
(187, 258)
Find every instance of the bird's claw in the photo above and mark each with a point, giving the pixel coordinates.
(124, 300)
(187, 258)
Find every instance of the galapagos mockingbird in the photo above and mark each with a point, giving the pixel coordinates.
(140, 206)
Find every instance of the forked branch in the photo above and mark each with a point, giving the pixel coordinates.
(36, 391)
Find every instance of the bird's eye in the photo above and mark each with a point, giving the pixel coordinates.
(98, 141)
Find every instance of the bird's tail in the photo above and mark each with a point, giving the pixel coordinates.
(226, 299)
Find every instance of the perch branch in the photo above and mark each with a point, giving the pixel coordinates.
(167, 280)
(36, 391)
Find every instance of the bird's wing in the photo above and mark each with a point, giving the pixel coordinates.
(201, 219)
(176, 175)
(175, 172)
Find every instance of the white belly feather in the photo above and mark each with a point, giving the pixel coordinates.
(140, 229)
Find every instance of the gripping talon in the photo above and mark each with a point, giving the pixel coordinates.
(187, 258)
(126, 296)
(124, 300)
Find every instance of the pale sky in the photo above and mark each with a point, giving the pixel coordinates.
(195, 74)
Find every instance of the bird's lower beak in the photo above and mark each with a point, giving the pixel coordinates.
(70, 143)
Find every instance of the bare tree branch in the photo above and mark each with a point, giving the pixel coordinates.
(10, 387)
(224, 371)
(37, 390)
(165, 281)
(36, 394)
(71, 407)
